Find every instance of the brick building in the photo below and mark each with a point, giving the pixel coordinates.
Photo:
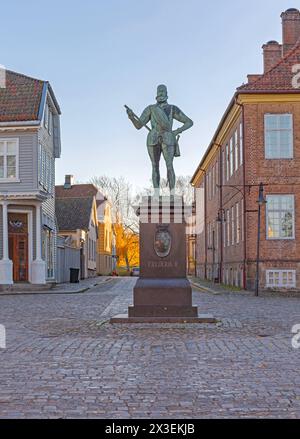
(257, 141)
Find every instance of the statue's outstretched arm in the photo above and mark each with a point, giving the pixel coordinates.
(181, 117)
(141, 121)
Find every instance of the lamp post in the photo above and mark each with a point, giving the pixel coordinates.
(261, 201)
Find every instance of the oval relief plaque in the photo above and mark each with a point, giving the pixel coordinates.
(162, 241)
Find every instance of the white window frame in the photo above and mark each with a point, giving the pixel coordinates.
(50, 121)
(236, 148)
(280, 274)
(227, 161)
(46, 116)
(241, 143)
(6, 179)
(288, 238)
(237, 219)
(232, 225)
(278, 130)
(231, 153)
(228, 227)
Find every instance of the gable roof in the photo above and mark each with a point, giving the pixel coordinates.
(73, 213)
(23, 98)
(278, 78)
(77, 190)
(81, 190)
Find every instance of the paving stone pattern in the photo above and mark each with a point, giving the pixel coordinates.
(65, 360)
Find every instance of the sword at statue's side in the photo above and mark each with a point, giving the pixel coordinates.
(136, 117)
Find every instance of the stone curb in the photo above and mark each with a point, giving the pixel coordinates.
(206, 289)
(28, 293)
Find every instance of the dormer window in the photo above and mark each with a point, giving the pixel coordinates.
(9, 159)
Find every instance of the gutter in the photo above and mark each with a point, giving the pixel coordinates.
(213, 141)
(20, 123)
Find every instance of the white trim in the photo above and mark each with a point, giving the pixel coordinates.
(10, 180)
(16, 178)
(30, 235)
(266, 115)
(20, 124)
(288, 238)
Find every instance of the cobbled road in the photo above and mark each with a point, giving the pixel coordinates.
(63, 359)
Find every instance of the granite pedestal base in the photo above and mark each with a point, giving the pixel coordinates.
(163, 293)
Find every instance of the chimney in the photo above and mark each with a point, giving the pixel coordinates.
(290, 29)
(272, 52)
(69, 181)
(253, 77)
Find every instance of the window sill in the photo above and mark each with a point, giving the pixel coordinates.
(281, 239)
(10, 180)
(279, 158)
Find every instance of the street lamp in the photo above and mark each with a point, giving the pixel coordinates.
(261, 201)
(221, 216)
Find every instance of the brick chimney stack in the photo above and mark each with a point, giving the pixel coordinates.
(290, 29)
(69, 181)
(272, 54)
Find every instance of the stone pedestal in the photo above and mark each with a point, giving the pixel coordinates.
(163, 292)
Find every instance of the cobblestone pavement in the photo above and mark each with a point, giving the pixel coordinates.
(64, 360)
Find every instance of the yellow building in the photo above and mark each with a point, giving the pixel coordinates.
(106, 241)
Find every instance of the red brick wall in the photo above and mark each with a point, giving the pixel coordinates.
(279, 176)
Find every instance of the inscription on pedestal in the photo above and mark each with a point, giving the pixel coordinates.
(162, 264)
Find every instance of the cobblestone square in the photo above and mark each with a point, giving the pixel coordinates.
(65, 360)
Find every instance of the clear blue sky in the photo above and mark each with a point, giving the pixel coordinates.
(100, 54)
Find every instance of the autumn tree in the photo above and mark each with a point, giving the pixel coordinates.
(124, 218)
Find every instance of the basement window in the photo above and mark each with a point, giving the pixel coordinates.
(281, 278)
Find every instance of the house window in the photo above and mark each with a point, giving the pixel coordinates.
(228, 227)
(237, 223)
(46, 116)
(281, 278)
(280, 217)
(9, 159)
(241, 143)
(46, 169)
(224, 165)
(231, 160)
(232, 225)
(242, 220)
(227, 162)
(278, 136)
(50, 122)
(236, 145)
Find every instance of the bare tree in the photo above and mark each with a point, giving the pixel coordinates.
(182, 188)
(125, 222)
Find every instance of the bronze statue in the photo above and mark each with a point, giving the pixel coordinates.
(161, 138)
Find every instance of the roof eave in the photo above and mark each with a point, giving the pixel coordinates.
(231, 103)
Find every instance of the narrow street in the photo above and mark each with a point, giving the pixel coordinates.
(65, 360)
